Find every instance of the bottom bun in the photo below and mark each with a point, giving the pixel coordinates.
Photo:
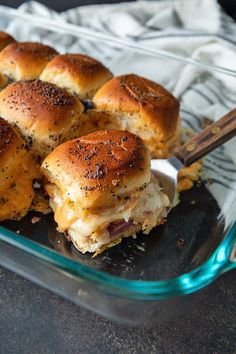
(95, 233)
(132, 231)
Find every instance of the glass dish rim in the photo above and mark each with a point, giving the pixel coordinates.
(187, 283)
(203, 275)
(84, 32)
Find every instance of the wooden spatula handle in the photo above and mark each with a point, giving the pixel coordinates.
(209, 139)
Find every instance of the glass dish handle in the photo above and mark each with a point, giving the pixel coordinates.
(231, 264)
(229, 247)
(233, 254)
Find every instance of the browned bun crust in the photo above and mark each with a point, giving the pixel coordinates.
(17, 171)
(99, 167)
(25, 60)
(140, 106)
(3, 81)
(79, 74)
(8, 140)
(5, 39)
(45, 114)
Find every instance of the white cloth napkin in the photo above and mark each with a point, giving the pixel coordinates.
(192, 28)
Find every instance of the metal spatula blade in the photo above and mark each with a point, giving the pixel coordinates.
(203, 143)
(166, 172)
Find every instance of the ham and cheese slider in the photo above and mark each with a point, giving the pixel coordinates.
(79, 74)
(44, 114)
(18, 170)
(24, 60)
(101, 189)
(141, 106)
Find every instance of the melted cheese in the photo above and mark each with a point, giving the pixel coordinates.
(146, 208)
(188, 175)
(40, 203)
(15, 201)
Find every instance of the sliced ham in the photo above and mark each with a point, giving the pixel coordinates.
(117, 227)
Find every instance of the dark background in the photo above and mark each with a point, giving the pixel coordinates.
(35, 321)
(61, 5)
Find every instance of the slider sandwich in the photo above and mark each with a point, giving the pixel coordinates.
(44, 114)
(141, 106)
(24, 60)
(80, 74)
(101, 189)
(17, 173)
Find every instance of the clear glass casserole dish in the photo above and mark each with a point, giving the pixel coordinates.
(154, 278)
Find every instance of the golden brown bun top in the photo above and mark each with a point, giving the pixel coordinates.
(25, 60)
(78, 73)
(102, 165)
(134, 94)
(5, 39)
(78, 65)
(45, 114)
(37, 105)
(29, 50)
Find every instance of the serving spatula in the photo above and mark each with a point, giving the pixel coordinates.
(200, 145)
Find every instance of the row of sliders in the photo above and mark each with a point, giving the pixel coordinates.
(87, 137)
(128, 102)
(100, 186)
(79, 74)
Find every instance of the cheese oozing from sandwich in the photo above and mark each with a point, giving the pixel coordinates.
(18, 169)
(101, 189)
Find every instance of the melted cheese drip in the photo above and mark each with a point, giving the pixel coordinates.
(15, 201)
(146, 208)
(188, 175)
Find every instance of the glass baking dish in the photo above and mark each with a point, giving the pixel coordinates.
(154, 278)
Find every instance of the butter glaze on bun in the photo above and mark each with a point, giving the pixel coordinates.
(101, 189)
(79, 74)
(25, 60)
(141, 106)
(17, 172)
(44, 114)
(103, 165)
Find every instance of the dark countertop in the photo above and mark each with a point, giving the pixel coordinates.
(35, 321)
